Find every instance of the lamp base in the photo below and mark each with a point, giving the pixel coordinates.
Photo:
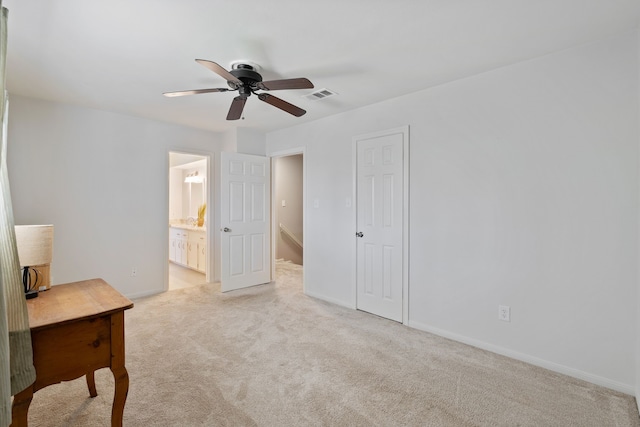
(31, 294)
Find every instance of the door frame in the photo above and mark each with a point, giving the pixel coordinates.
(275, 227)
(209, 214)
(404, 131)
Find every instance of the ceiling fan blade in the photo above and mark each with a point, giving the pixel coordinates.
(220, 71)
(193, 92)
(235, 112)
(281, 104)
(300, 83)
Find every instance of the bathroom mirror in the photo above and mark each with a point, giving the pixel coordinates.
(196, 197)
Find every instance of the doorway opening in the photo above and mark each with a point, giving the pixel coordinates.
(288, 173)
(188, 214)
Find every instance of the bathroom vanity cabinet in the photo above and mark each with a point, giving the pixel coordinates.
(188, 247)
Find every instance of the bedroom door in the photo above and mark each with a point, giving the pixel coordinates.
(245, 238)
(381, 196)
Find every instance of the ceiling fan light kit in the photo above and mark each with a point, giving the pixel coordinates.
(245, 78)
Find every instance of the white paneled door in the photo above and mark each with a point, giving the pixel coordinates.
(245, 201)
(380, 192)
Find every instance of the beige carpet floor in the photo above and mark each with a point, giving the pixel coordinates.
(271, 356)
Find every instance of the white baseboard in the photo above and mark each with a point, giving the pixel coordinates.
(144, 294)
(552, 366)
(328, 299)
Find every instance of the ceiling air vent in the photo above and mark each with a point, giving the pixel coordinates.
(320, 94)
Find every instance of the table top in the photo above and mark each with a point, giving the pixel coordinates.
(75, 301)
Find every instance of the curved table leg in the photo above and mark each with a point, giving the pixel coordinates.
(91, 383)
(20, 407)
(121, 377)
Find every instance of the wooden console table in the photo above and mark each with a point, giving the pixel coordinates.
(76, 329)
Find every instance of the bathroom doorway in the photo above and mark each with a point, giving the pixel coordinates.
(288, 203)
(188, 213)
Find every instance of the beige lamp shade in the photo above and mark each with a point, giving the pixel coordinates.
(35, 244)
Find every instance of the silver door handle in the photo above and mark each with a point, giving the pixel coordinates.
(359, 234)
(226, 229)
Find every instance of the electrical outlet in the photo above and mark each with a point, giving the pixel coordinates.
(134, 272)
(504, 313)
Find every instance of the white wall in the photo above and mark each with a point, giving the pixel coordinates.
(102, 180)
(229, 141)
(250, 141)
(243, 140)
(523, 192)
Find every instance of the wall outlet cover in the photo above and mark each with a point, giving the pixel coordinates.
(504, 313)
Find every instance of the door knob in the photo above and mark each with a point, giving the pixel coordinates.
(226, 229)
(359, 234)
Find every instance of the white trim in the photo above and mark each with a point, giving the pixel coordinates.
(288, 152)
(552, 366)
(285, 153)
(285, 230)
(354, 222)
(329, 300)
(145, 294)
(405, 224)
(404, 130)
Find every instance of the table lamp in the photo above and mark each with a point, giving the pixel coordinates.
(35, 252)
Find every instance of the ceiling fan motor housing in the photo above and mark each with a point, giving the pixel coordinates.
(247, 75)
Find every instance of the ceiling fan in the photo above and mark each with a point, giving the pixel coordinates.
(244, 78)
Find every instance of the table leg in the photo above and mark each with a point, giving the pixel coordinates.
(120, 396)
(91, 383)
(120, 373)
(20, 407)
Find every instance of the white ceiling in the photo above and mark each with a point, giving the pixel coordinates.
(121, 55)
